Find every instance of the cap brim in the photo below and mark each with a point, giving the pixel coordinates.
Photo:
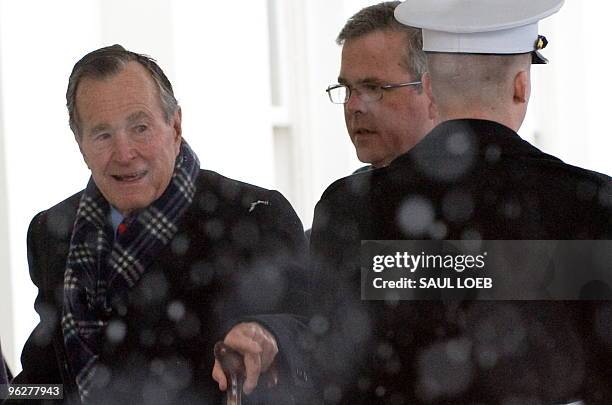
(538, 59)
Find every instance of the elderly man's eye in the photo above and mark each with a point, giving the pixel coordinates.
(102, 136)
(141, 128)
(370, 86)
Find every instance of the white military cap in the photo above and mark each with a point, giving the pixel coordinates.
(479, 26)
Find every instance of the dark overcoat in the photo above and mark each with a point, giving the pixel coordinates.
(467, 179)
(238, 255)
(3, 373)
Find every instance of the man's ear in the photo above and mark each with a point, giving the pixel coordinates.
(178, 129)
(431, 108)
(522, 87)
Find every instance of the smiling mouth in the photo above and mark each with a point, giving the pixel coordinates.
(129, 178)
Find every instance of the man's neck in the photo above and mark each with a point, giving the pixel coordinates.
(505, 120)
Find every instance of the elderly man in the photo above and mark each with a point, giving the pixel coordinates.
(385, 108)
(142, 272)
(472, 177)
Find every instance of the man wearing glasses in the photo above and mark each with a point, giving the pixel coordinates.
(471, 178)
(385, 108)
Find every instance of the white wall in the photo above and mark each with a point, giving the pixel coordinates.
(571, 100)
(39, 42)
(223, 83)
(6, 291)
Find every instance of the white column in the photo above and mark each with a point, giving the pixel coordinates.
(222, 81)
(39, 43)
(6, 293)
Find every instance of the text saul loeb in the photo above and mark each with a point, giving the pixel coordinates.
(411, 263)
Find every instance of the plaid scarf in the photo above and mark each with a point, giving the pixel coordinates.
(100, 270)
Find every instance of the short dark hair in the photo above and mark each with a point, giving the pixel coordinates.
(109, 61)
(379, 17)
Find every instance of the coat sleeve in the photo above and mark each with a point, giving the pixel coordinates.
(289, 324)
(3, 375)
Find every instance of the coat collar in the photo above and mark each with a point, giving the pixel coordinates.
(454, 138)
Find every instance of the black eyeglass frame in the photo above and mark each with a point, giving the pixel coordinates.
(383, 87)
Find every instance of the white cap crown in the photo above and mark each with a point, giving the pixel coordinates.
(479, 26)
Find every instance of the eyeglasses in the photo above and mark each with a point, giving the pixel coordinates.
(341, 93)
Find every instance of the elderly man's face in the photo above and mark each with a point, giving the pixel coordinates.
(382, 130)
(125, 139)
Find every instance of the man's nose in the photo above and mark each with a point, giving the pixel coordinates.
(355, 103)
(124, 150)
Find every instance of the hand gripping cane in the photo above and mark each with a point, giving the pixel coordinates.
(233, 367)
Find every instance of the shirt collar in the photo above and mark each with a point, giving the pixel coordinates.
(116, 217)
